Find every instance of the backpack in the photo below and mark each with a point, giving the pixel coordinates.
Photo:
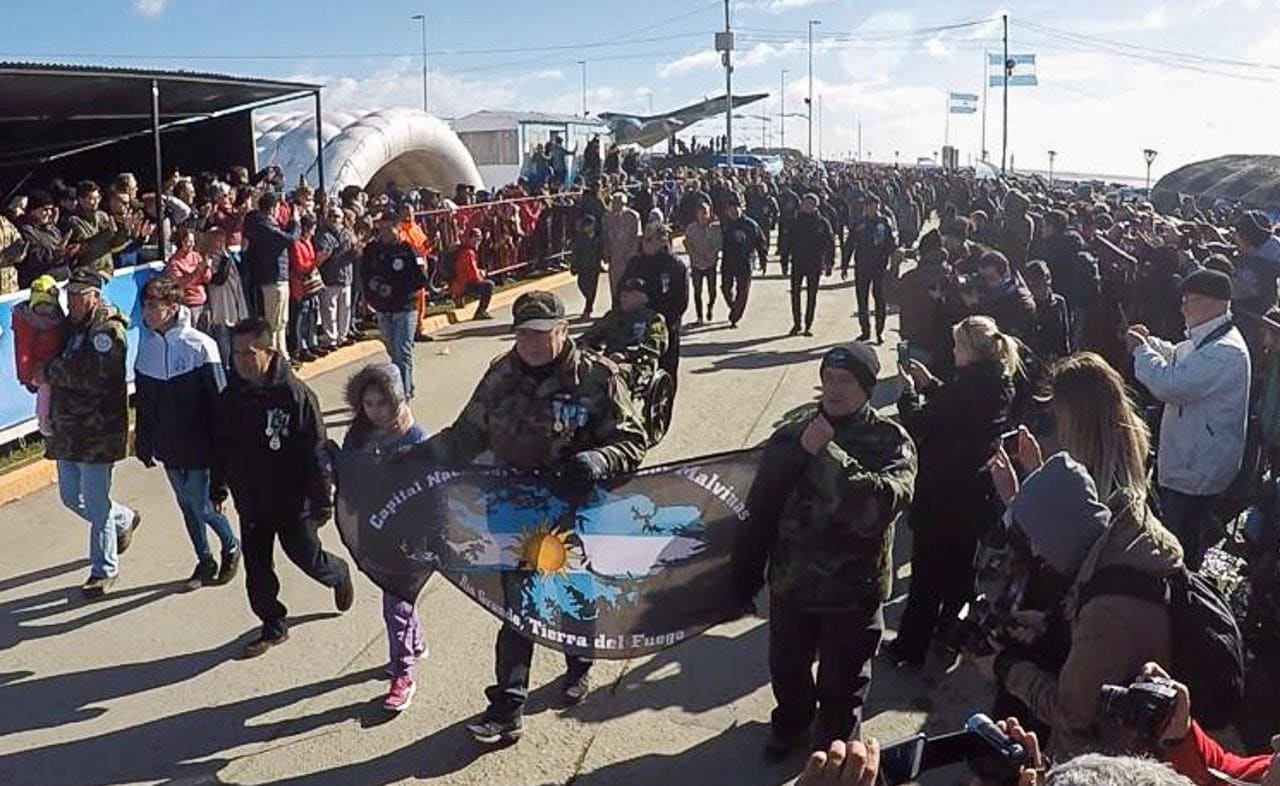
(1208, 650)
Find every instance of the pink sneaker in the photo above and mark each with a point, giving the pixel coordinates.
(401, 694)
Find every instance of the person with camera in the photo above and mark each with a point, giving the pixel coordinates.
(1204, 385)
(1079, 535)
(830, 486)
(1188, 748)
(955, 426)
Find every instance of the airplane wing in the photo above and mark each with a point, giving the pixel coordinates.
(649, 131)
(688, 115)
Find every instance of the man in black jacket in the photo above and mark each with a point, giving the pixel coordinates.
(393, 274)
(667, 279)
(874, 238)
(812, 246)
(270, 449)
(742, 242)
(266, 258)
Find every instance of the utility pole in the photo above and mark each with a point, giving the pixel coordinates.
(583, 63)
(819, 125)
(1052, 154)
(986, 77)
(809, 100)
(1004, 143)
(782, 114)
(859, 139)
(426, 98)
(724, 43)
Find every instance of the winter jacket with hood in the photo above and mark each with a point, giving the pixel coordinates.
(1205, 390)
(1111, 636)
(178, 379)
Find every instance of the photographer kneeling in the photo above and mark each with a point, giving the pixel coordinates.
(1058, 509)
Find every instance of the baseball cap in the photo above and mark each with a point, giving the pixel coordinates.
(539, 310)
(84, 279)
(633, 284)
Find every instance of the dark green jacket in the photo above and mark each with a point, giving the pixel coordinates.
(824, 523)
(637, 337)
(88, 404)
(536, 422)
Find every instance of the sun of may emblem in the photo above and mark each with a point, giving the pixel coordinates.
(544, 551)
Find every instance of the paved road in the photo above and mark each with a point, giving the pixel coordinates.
(143, 687)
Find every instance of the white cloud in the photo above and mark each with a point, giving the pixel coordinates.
(780, 6)
(149, 7)
(937, 47)
(687, 63)
(1155, 19)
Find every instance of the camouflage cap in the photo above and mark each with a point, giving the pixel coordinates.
(539, 310)
(84, 279)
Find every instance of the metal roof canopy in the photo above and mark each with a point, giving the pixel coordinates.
(44, 92)
(50, 111)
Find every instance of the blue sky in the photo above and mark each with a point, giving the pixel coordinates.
(1114, 78)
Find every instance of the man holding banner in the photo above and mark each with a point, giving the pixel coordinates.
(545, 405)
(831, 484)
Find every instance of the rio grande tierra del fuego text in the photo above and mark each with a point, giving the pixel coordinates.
(539, 629)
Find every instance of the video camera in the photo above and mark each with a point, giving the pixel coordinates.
(988, 751)
(1145, 706)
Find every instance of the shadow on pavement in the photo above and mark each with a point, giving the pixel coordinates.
(438, 754)
(62, 699)
(34, 576)
(14, 613)
(732, 757)
(165, 750)
(484, 329)
(709, 672)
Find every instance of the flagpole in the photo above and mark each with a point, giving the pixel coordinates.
(946, 125)
(986, 77)
(1004, 142)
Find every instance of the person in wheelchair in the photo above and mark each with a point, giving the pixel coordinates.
(635, 337)
(632, 335)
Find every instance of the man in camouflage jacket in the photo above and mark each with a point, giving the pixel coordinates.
(831, 485)
(89, 420)
(632, 335)
(546, 405)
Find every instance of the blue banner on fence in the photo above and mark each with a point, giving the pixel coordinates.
(17, 404)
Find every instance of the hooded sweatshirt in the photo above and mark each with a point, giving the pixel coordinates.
(1059, 511)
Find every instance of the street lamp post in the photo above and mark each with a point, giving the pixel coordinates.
(426, 99)
(809, 100)
(1149, 156)
(583, 63)
(1052, 154)
(782, 112)
(895, 159)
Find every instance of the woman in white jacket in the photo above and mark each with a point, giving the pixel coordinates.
(1204, 385)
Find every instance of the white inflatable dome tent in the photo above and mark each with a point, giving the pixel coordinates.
(367, 149)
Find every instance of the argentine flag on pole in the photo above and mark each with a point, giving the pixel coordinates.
(1021, 69)
(962, 103)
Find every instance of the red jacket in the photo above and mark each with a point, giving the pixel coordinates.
(188, 269)
(1198, 752)
(466, 271)
(302, 260)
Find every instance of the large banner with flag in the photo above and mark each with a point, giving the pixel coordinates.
(638, 564)
(1021, 68)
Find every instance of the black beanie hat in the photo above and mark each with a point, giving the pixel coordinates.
(1208, 282)
(858, 359)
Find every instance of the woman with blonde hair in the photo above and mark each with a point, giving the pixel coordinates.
(956, 427)
(1098, 425)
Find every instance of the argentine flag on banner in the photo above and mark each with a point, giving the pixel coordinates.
(1022, 70)
(962, 103)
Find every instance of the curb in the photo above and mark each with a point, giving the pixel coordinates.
(30, 478)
